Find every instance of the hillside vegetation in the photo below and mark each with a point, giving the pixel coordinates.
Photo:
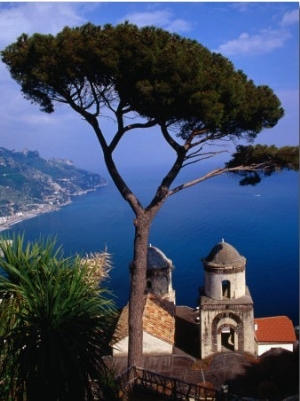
(31, 183)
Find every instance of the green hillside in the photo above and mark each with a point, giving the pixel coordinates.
(28, 182)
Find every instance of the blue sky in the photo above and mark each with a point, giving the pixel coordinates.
(261, 38)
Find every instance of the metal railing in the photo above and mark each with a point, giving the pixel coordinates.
(166, 387)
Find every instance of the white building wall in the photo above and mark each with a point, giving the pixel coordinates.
(121, 347)
(151, 345)
(262, 348)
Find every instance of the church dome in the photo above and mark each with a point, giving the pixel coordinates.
(224, 255)
(156, 259)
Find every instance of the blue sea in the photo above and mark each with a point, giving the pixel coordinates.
(261, 222)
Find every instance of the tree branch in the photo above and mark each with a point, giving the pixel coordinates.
(215, 173)
(200, 157)
(150, 123)
(163, 190)
(171, 141)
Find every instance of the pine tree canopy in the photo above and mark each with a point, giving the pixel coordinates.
(161, 77)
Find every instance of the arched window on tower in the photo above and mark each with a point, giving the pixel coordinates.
(226, 289)
(227, 338)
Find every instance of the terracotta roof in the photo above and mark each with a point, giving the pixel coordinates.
(121, 330)
(158, 319)
(276, 329)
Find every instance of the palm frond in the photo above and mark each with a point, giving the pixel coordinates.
(55, 318)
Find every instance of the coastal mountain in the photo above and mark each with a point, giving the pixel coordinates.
(29, 183)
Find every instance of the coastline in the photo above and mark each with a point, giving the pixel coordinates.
(12, 220)
(15, 219)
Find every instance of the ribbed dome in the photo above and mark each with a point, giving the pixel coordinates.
(156, 259)
(224, 255)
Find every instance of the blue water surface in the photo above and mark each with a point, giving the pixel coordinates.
(261, 222)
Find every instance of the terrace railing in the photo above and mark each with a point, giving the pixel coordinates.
(166, 387)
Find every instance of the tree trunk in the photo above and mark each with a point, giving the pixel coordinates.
(137, 290)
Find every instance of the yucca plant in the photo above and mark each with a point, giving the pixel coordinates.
(55, 321)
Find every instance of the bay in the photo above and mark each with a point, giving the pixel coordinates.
(261, 222)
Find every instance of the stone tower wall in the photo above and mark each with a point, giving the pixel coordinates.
(215, 277)
(239, 319)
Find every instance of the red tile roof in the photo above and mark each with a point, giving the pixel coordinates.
(158, 319)
(276, 329)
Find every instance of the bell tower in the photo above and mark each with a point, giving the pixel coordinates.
(226, 306)
(159, 274)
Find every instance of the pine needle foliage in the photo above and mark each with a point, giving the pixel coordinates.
(267, 159)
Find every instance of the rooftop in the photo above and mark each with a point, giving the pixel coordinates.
(224, 255)
(158, 319)
(275, 329)
(156, 259)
